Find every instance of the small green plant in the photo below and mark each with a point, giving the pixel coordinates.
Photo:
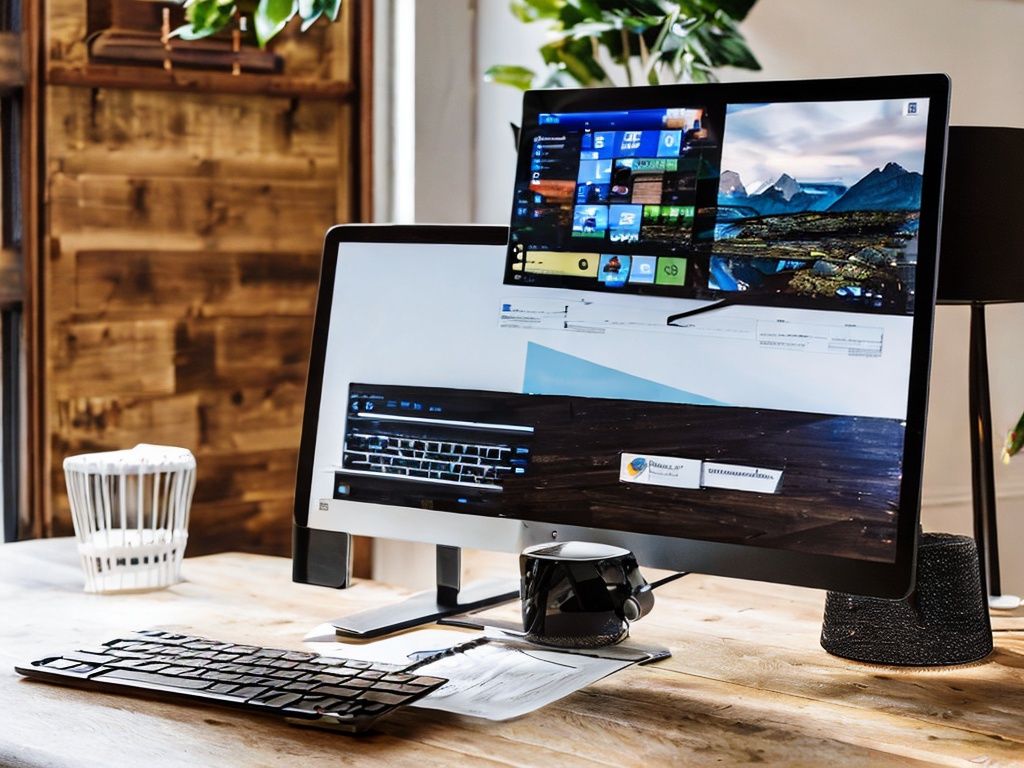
(1014, 440)
(650, 40)
(268, 17)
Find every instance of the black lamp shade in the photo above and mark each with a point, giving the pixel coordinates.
(982, 247)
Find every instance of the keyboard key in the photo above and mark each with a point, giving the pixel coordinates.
(152, 678)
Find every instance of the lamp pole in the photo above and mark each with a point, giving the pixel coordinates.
(983, 474)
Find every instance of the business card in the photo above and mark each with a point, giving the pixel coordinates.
(669, 471)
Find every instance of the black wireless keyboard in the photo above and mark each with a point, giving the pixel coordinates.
(304, 688)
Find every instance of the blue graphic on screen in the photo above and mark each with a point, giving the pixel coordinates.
(598, 143)
(613, 269)
(550, 372)
(590, 220)
(670, 143)
(624, 223)
(638, 143)
(594, 171)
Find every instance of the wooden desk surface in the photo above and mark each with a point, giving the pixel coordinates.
(747, 683)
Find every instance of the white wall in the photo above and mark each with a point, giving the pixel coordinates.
(424, 95)
(977, 42)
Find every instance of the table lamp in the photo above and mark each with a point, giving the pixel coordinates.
(981, 262)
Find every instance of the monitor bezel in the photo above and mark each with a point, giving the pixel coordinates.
(879, 579)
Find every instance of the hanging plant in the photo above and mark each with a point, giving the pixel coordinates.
(268, 17)
(649, 40)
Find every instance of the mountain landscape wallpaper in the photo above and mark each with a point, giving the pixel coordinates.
(800, 213)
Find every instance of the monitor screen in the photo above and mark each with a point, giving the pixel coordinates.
(705, 337)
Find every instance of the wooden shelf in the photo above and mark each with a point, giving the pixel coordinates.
(197, 81)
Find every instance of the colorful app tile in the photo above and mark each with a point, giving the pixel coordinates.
(643, 269)
(624, 223)
(589, 193)
(594, 171)
(670, 143)
(572, 264)
(671, 271)
(590, 221)
(637, 143)
(613, 269)
(599, 144)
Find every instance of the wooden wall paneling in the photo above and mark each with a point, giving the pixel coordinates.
(115, 357)
(121, 419)
(189, 283)
(184, 231)
(66, 30)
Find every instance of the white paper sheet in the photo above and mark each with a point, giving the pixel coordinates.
(496, 680)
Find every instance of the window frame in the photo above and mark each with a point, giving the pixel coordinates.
(20, 24)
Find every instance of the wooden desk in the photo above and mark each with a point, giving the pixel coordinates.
(747, 683)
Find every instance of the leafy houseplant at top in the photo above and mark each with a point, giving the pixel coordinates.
(649, 39)
(208, 17)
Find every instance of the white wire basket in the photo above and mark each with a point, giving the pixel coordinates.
(130, 510)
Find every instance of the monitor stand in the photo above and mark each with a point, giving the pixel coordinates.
(429, 606)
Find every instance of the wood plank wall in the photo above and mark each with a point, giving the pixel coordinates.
(182, 253)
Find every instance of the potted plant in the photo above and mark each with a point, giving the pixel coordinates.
(649, 40)
(268, 17)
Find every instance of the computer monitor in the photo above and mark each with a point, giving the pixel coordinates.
(705, 337)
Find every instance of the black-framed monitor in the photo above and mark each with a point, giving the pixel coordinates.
(705, 337)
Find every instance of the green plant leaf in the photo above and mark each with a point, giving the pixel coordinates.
(639, 25)
(309, 21)
(640, 7)
(188, 32)
(331, 9)
(309, 11)
(724, 47)
(582, 67)
(592, 9)
(591, 29)
(505, 74)
(569, 17)
(528, 11)
(270, 17)
(205, 18)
